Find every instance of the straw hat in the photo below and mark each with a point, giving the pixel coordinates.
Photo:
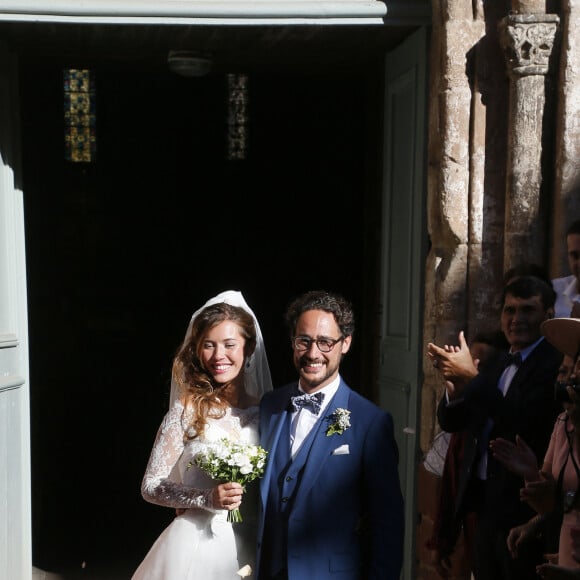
(564, 334)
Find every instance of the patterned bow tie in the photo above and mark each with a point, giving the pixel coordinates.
(310, 402)
(514, 358)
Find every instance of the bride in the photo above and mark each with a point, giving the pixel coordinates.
(219, 374)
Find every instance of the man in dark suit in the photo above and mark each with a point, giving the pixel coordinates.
(513, 396)
(331, 503)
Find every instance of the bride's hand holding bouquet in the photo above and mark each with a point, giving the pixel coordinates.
(235, 464)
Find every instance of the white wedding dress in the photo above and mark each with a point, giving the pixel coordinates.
(200, 544)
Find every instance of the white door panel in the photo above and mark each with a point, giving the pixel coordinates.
(15, 518)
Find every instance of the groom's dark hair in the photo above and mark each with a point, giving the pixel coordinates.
(330, 302)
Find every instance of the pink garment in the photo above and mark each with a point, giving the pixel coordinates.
(553, 462)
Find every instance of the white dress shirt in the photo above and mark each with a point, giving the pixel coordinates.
(566, 289)
(503, 385)
(303, 420)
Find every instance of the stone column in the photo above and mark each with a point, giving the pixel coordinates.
(566, 208)
(528, 39)
(455, 32)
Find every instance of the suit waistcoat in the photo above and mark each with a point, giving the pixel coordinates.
(283, 487)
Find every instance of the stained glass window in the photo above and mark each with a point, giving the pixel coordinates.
(237, 116)
(79, 115)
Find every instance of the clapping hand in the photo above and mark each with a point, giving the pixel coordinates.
(520, 534)
(518, 457)
(455, 364)
(540, 494)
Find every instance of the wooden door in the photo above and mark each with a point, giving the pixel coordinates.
(402, 260)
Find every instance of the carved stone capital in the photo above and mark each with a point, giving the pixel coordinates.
(528, 41)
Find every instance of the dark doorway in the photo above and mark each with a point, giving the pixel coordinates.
(120, 252)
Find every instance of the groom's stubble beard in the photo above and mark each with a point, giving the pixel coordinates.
(327, 372)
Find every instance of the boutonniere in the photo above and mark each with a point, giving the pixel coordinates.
(339, 422)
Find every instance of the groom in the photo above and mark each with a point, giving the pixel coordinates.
(331, 503)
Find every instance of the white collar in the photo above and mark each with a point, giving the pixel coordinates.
(571, 289)
(525, 352)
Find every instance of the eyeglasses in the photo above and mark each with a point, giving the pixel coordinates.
(303, 343)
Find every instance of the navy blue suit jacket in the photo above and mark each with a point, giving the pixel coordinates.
(346, 517)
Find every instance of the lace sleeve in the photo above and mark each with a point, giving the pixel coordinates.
(157, 486)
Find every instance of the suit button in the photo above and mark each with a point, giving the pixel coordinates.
(289, 478)
(284, 499)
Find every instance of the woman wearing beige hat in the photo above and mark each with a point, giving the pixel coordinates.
(553, 491)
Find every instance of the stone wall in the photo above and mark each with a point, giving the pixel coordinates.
(503, 175)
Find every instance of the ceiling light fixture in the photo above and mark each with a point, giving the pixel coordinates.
(188, 63)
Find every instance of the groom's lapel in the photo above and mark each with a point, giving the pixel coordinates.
(323, 445)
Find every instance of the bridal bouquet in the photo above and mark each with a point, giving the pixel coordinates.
(232, 461)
